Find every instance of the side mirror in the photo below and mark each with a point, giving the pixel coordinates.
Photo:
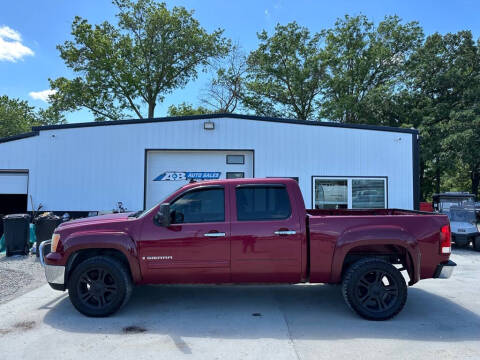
(162, 218)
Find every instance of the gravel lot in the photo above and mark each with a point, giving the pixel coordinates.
(440, 321)
(18, 275)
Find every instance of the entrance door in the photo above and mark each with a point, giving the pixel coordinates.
(195, 248)
(167, 170)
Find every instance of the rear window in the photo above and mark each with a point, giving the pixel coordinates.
(262, 203)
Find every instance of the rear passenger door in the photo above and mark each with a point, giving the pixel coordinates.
(265, 235)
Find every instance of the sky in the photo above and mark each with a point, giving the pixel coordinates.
(30, 30)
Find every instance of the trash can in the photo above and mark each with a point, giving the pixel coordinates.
(17, 234)
(44, 227)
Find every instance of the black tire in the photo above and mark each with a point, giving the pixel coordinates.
(476, 243)
(99, 286)
(366, 293)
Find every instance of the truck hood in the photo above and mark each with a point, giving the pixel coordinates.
(109, 218)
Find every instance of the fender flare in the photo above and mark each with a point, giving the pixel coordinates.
(381, 236)
(114, 240)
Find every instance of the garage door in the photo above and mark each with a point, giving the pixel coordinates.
(168, 170)
(13, 182)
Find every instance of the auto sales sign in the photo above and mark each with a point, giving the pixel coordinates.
(188, 175)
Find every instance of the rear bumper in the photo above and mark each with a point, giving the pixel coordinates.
(444, 270)
(464, 237)
(54, 274)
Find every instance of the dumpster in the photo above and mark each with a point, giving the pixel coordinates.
(17, 233)
(45, 224)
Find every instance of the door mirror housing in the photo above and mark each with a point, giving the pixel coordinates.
(162, 218)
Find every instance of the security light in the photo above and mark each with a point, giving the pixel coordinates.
(209, 125)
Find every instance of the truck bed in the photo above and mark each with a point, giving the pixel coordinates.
(334, 234)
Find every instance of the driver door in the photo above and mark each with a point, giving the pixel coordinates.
(195, 248)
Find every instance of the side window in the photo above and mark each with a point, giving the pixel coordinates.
(262, 203)
(197, 206)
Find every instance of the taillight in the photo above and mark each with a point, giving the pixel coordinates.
(445, 240)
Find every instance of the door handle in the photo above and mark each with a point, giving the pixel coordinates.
(285, 232)
(214, 234)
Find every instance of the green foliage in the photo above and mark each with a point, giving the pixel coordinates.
(125, 67)
(17, 117)
(184, 109)
(365, 64)
(285, 73)
(444, 77)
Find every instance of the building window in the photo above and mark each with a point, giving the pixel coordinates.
(236, 159)
(349, 193)
(368, 193)
(235, 175)
(331, 194)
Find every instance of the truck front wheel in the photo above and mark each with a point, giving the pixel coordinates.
(374, 289)
(99, 286)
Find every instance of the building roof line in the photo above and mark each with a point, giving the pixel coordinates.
(36, 129)
(19, 136)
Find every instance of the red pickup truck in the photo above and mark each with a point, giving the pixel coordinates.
(247, 231)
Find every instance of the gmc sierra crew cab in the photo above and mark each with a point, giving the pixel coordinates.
(245, 231)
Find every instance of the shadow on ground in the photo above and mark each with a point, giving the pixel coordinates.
(249, 312)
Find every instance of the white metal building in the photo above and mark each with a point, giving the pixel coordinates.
(92, 166)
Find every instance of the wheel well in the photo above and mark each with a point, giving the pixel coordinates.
(81, 255)
(394, 254)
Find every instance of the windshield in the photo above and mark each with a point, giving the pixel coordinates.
(462, 214)
(446, 204)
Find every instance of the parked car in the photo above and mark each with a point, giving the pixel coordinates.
(460, 207)
(463, 222)
(246, 231)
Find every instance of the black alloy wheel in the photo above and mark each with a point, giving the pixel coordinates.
(374, 289)
(99, 286)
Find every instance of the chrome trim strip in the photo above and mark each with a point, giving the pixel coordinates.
(219, 234)
(285, 232)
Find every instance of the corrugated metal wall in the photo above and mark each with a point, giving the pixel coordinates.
(92, 168)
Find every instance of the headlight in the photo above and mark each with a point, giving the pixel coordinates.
(55, 239)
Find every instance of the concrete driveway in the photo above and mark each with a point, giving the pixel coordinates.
(440, 321)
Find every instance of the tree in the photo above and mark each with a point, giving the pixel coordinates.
(184, 109)
(285, 73)
(120, 69)
(17, 117)
(365, 67)
(445, 83)
(226, 90)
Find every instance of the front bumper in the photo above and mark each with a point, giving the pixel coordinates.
(444, 270)
(54, 274)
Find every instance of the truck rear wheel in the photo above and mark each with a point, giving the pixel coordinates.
(374, 289)
(99, 286)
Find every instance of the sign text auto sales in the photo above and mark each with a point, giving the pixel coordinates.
(188, 175)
